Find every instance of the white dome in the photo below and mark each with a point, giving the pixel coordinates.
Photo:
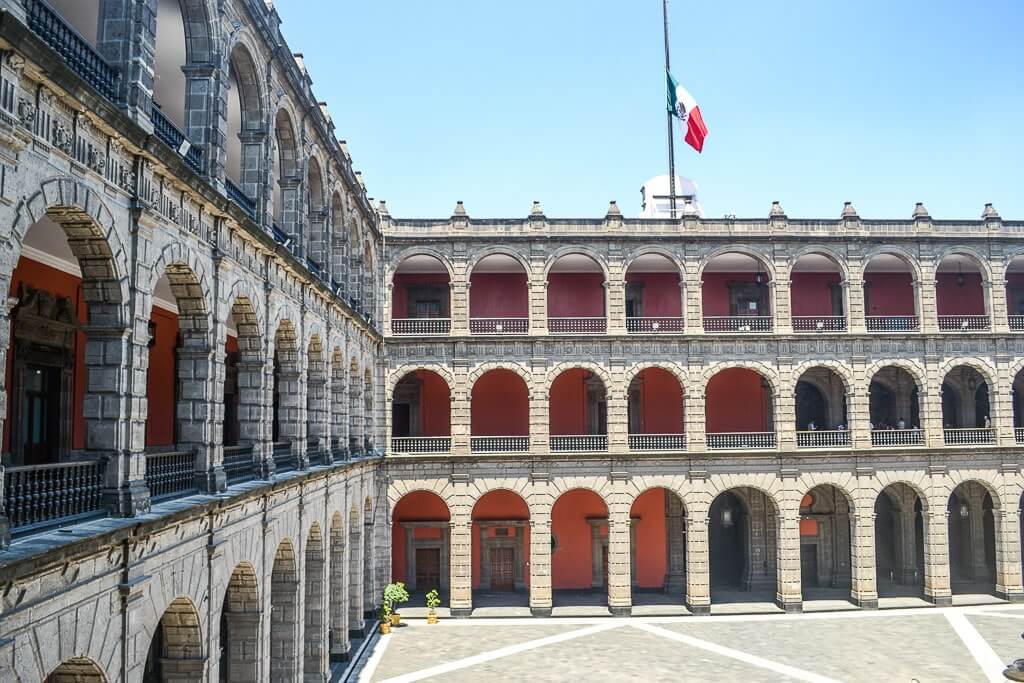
(655, 202)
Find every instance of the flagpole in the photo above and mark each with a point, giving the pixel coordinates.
(671, 141)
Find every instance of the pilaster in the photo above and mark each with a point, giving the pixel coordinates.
(936, 553)
(863, 591)
(619, 559)
(1008, 556)
(698, 561)
(540, 550)
(461, 566)
(788, 595)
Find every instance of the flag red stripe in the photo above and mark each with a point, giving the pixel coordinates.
(696, 131)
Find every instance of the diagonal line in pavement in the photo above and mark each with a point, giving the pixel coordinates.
(466, 662)
(979, 648)
(754, 660)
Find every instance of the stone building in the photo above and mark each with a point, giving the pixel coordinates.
(239, 398)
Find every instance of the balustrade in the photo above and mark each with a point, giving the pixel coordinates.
(409, 326)
(897, 437)
(1016, 322)
(37, 496)
(740, 441)
(174, 138)
(170, 474)
(654, 325)
(284, 459)
(499, 444)
(819, 323)
(577, 325)
(838, 438)
(738, 323)
(963, 323)
(580, 443)
(972, 436)
(891, 323)
(242, 200)
(657, 442)
(499, 325)
(238, 464)
(1018, 435)
(421, 444)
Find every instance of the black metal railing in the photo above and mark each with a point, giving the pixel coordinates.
(279, 236)
(173, 137)
(284, 459)
(238, 464)
(76, 50)
(355, 448)
(171, 474)
(37, 496)
(240, 198)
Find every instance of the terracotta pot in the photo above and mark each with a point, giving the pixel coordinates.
(396, 619)
(431, 618)
(385, 628)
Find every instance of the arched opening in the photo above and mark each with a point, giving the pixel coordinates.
(338, 406)
(894, 408)
(654, 298)
(890, 295)
(244, 138)
(1015, 293)
(243, 389)
(817, 299)
(240, 627)
(736, 294)
(355, 266)
(338, 591)
(821, 420)
(339, 248)
(368, 415)
(972, 540)
(421, 414)
(315, 652)
(576, 296)
(316, 402)
(356, 553)
(420, 297)
(739, 411)
(743, 546)
(501, 550)
(169, 82)
(284, 615)
(579, 548)
(658, 547)
(966, 413)
(1017, 394)
(317, 217)
(286, 181)
(655, 406)
(826, 537)
(500, 413)
(578, 412)
(420, 543)
(285, 423)
(899, 542)
(355, 409)
(499, 296)
(176, 646)
(77, 670)
(961, 293)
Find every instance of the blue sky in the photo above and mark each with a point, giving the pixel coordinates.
(562, 101)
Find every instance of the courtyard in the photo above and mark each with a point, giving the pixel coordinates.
(971, 643)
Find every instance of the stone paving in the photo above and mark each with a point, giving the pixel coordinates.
(918, 644)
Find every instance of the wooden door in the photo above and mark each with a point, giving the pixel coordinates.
(809, 565)
(428, 569)
(502, 569)
(40, 415)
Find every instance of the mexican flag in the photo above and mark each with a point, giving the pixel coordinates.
(682, 104)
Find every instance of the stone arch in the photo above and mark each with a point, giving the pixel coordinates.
(592, 254)
(821, 250)
(654, 249)
(675, 369)
(771, 487)
(338, 402)
(288, 144)
(284, 614)
(915, 486)
(201, 34)
(668, 483)
(250, 79)
(958, 479)
(337, 585)
(599, 370)
(241, 613)
(499, 251)
(766, 371)
(317, 406)
(843, 371)
(909, 259)
(315, 186)
(396, 263)
(339, 244)
(287, 386)
(187, 278)
(980, 365)
(177, 647)
(517, 368)
(912, 368)
(77, 670)
(438, 369)
(761, 257)
(315, 649)
(980, 260)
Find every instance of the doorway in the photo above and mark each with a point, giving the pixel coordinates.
(809, 565)
(428, 568)
(502, 569)
(40, 414)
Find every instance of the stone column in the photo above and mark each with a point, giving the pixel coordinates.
(783, 415)
(782, 310)
(339, 595)
(975, 496)
(936, 553)
(930, 410)
(859, 417)
(615, 312)
(201, 106)
(927, 310)
(693, 304)
(127, 41)
(461, 566)
(906, 543)
(863, 591)
(693, 415)
(698, 562)
(618, 413)
(356, 627)
(461, 408)
(291, 215)
(788, 594)
(1008, 567)
(5, 345)
(539, 411)
(460, 307)
(998, 306)
(540, 552)
(620, 600)
(1001, 405)
(853, 290)
(538, 305)
(202, 394)
(675, 544)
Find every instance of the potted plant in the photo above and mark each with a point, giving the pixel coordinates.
(385, 618)
(395, 595)
(433, 600)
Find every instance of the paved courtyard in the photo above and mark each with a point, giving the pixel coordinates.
(918, 644)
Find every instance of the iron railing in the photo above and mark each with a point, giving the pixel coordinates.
(1016, 322)
(835, 438)
(37, 496)
(499, 444)
(75, 49)
(240, 198)
(897, 437)
(580, 443)
(173, 137)
(1018, 434)
(650, 325)
(969, 436)
(238, 464)
(171, 474)
(740, 441)
(657, 442)
(499, 325)
(963, 323)
(421, 444)
(819, 323)
(578, 325)
(421, 326)
(737, 323)
(891, 323)
(284, 459)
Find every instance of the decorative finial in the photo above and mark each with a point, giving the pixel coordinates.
(382, 209)
(536, 210)
(460, 210)
(776, 211)
(989, 212)
(920, 211)
(849, 211)
(613, 210)
(689, 208)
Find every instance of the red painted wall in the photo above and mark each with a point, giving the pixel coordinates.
(567, 407)
(810, 293)
(571, 561)
(38, 276)
(715, 292)
(400, 297)
(1015, 305)
(575, 295)
(955, 300)
(499, 295)
(651, 545)
(435, 405)
(160, 380)
(735, 402)
(500, 505)
(418, 506)
(890, 293)
(500, 405)
(661, 401)
(661, 297)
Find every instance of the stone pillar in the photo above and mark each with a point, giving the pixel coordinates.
(460, 307)
(998, 308)
(698, 562)
(930, 409)
(975, 496)
(538, 305)
(355, 413)
(292, 408)
(693, 305)
(5, 345)
(461, 566)
(201, 106)
(936, 554)
(254, 154)
(788, 594)
(615, 311)
(315, 648)
(906, 543)
(356, 626)
(127, 41)
(291, 214)
(540, 550)
(853, 291)
(339, 595)
(461, 407)
(1001, 405)
(783, 414)
(927, 309)
(618, 411)
(782, 310)
(200, 396)
(694, 416)
(863, 591)
(675, 544)
(859, 417)
(620, 600)
(1008, 567)
(539, 410)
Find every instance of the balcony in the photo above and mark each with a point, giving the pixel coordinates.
(969, 436)
(823, 439)
(889, 438)
(498, 326)
(741, 441)
(499, 444)
(173, 137)
(584, 443)
(40, 496)
(78, 54)
(1016, 322)
(963, 323)
(241, 200)
(819, 323)
(171, 474)
(577, 325)
(657, 442)
(238, 464)
(654, 325)
(891, 323)
(421, 326)
(421, 444)
(284, 459)
(738, 323)
(1018, 435)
